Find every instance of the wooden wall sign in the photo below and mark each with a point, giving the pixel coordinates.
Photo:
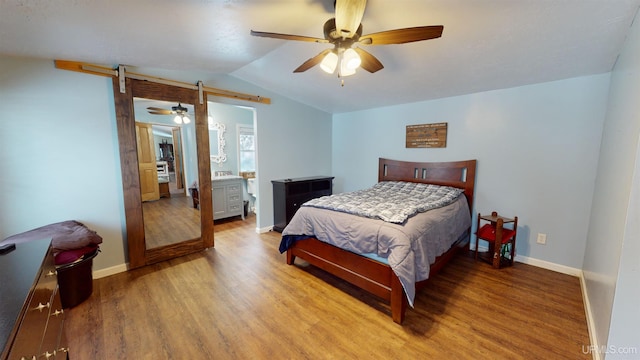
(427, 135)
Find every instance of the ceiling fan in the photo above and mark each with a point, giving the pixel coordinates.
(344, 32)
(179, 110)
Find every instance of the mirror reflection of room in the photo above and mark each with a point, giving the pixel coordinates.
(233, 154)
(167, 163)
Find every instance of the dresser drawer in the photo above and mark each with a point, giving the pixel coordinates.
(38, 332)
(33, 325)
(290, 194)
(234, 198)
(54, 341)
(34, 322)
(234, 189)
(235, 208)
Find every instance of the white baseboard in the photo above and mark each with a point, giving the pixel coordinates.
(264, 229)
(549, 266)
(541, 263)
(110, 271)
(591, 325)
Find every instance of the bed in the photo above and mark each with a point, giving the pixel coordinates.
(371, 273)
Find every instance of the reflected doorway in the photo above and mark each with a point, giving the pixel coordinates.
(234, 127)
(170, 170)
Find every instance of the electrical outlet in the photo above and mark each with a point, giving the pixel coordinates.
(542, 239)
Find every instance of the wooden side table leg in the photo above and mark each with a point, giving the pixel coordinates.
(475, 255)
(496, 256)
(513, 241)
(497, 249)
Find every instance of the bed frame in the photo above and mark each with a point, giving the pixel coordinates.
(375, 277)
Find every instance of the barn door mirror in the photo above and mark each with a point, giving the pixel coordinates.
(162, 221)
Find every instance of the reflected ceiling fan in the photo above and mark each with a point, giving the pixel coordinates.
(180, 112)
(345, 32)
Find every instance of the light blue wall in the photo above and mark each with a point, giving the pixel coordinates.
(230, 116)
(59, 149)
(612, 259)
(537, 150)
(59, 153)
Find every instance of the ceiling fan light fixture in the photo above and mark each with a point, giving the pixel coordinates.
(186, 119)
(351, 59)
(329, 63)
(345, 70)
(177, 119)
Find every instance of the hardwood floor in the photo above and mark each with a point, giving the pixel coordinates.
(170, 220)
(240, 300)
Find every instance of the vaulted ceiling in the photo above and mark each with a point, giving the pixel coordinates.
(486, 44)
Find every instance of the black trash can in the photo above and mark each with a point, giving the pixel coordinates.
(246, 208)
(74, 246)
(75, 280)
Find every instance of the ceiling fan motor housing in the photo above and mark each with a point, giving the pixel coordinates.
(332, 35)
(179, 109)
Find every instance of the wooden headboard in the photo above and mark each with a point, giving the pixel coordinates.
(460, 174)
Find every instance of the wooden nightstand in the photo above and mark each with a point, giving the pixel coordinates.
(501, 239)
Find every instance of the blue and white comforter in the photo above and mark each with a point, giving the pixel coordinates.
(409, 247)
(391, 201)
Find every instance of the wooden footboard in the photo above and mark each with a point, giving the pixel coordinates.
(372, 276)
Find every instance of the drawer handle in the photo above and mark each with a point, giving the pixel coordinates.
(47, 354)
(40, 306)
(58, 312)
(32, 358)
(64, 350)
(51, 273)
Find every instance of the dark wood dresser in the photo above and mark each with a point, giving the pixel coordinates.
(289, 194)
(31, 315)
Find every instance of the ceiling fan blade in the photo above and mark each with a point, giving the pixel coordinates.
(312, 62)
(369, 62)
(155, 108)
(402, 36)
(159, 111)
(288, 37)
(349, 16)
